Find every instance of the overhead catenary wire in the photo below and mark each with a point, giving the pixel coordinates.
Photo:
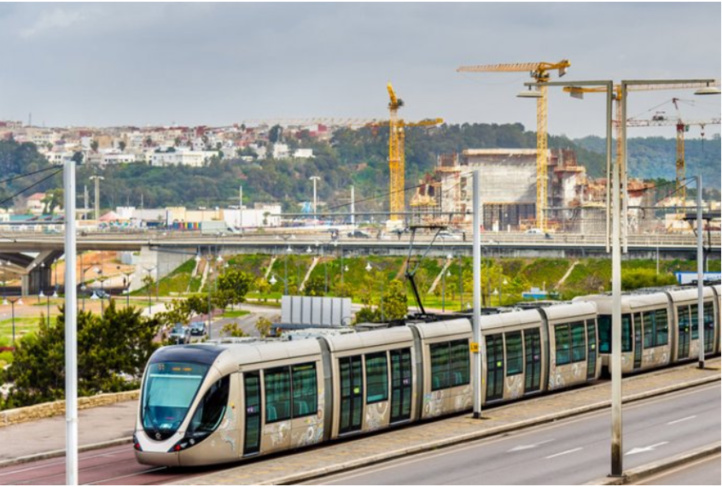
(29, 187)
(18, 176)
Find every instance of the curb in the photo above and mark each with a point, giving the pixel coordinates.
(61, 453)
(350, 465)
(636, 474)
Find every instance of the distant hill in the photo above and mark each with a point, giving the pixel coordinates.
(654, 157)
(353, 157)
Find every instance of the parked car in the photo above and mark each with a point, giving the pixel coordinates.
(359, 234)
(180, 334)
(446, 235)
(198, 328)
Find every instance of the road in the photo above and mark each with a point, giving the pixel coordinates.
(570, 452)
(706, 471)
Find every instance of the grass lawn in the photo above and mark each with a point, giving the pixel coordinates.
(235, 313)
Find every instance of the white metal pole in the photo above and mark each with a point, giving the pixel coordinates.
(353, 209)
(240, 207)
(71, 327)
(617, 454)
(700, 273)
(476, 343)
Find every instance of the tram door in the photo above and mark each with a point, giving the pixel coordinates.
(683, 332)
(532, 352)
(591, 349)
(252, 430)
(400, 385)
(637, 341)
(494, 367)
(351, 394)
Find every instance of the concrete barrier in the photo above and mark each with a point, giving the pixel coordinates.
(57, 408)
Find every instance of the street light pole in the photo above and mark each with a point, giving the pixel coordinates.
(314, 179)
(700, 274)
(476, 323)
(97, 195)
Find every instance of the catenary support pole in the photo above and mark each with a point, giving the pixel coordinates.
(476, 341)
(617, 452)
(71, 314)
(700, 273)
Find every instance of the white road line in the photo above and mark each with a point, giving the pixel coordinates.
(564, 452)
(528, 447)
(680, 420)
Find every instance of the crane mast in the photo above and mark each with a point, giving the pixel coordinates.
(540, 72)
(397, 156)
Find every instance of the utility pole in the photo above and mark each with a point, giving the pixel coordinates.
(97, 195)
(353, 209)
(240, 207)
(85, 201)
(700, 273)
(476, 328)
(314, 179)
(71, 328)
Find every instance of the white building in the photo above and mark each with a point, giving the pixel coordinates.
(303, 154)
(261, 215)
(117, 157)
(182, 157)
(280, 151)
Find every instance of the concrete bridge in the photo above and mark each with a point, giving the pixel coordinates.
(31, 255)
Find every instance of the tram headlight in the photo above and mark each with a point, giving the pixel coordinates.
(136, 444)
(188, 441)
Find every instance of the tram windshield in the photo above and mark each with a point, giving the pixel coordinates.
(169, 390)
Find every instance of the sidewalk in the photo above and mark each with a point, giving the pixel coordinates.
(115, 423)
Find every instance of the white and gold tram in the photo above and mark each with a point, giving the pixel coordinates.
(205, 404)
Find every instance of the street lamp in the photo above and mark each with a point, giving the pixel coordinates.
(149, 270)
(383, 288)
(12, 304)
(315, 217)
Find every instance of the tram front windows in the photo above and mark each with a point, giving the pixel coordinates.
(169, 391)
(210, 410)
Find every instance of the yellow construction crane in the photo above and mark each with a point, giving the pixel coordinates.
(682, 126)
(397, 159)
(578, 92)
(540, 72)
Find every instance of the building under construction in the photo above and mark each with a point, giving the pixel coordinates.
(508, 188)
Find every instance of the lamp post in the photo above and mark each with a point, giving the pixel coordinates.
(369, 268)
(97, 194)
(616, 360)
(12, 301)
(4, 280)
(315, 217)
(127, 277)
(149, 270)
(101, 278)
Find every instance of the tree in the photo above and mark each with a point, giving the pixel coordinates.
(179, 311)
(315, 286)
(198, 304)
(112, 352)
(94, 145)
(122, 145)
(263, 325)
(234, 284)
(275, 134)
(77, 157)
(233, 330)
(263, 287)
(53, 199)
(395, 301)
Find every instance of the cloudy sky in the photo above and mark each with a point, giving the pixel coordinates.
(215, 64)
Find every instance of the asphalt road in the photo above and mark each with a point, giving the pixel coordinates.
(570, 452)
(706, 471)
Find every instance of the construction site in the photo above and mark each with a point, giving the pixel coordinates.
(544, 190)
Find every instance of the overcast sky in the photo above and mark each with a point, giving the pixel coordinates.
(143, 64)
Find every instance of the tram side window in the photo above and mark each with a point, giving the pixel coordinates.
(459, 362)
(514, 357)
(626, 333)
(377, 378)
(649, 332)
(683, 317)
(695, 322)
(449, 364)
(278, 394)
(604, 326)
(579, 345)
(708, 327)
(662, 327)
(439, 365)
(305, 392)
(562, 339)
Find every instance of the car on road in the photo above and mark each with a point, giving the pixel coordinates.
(359, 234)
(198, 328)
(446, 235)
(180, 334)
